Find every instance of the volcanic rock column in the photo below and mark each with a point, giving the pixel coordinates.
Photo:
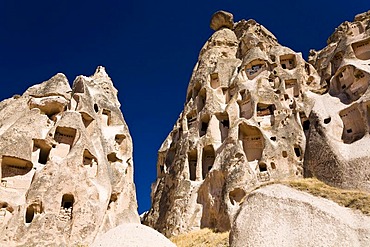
(66, 163)
(338, 148)
(242, 125)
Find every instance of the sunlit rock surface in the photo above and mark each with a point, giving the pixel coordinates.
(65, 163)
(277, 215)
(243, 125)
(338, 150)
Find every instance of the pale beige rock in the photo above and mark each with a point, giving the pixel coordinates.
(242, 126)
(277, 215)
(65, 163)
(132, 235)
(339, 143)
(222, 19)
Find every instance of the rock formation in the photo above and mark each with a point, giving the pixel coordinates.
(132, 235)
(338, 150)
(243, 124)
(277, 215)
(255, 113)
(66, 163)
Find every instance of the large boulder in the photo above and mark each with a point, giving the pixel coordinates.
(222, 19)
(132, 235)
(278, 215)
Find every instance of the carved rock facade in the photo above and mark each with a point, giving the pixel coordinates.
(338, 149)
(243, 125)
(65, 163)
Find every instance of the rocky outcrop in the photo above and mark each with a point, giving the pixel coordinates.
(132, 235)
(222, 19)
(338, 150)
(243, 125)
(66, 163)
(277, 215)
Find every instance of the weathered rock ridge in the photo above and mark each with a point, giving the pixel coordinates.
(277, 215)
(338, 150)
(66, 163)
(256, 112)
(132, 235)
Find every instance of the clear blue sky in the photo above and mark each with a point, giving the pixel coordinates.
(149, 49)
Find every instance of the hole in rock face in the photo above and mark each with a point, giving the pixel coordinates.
(65, 135)
(30, 212)
(107, 117)
(265, 109)
(191, 119)
(273, 165)
(354, 127)
(112, 157)
(297, 151)
(44, 154)
(292, 88)
(207, 160)
(119, 138)
(306, 125)
(66, 207)
(96, 108)
(192, 160)
(236, 195)
(288, 61)
(67, 201)
(204, 126)
(254, 68)
(362, 49)
(113, 198)
(44, 150)
(12, 166)
(262, 166)
(285, 154)
(273, 138)
(88, 158)
(252, 141)
(86, 119)
(224, 125)
(245, 105)
(215, 82)
(327, 120)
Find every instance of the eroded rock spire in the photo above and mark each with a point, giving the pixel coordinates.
(66, 163)
(243, 125)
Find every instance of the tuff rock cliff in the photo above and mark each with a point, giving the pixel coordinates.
(255, 113)
(66, 163)
(338, 147)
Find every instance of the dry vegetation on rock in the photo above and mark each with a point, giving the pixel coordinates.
(202, 238)
(354, 199)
